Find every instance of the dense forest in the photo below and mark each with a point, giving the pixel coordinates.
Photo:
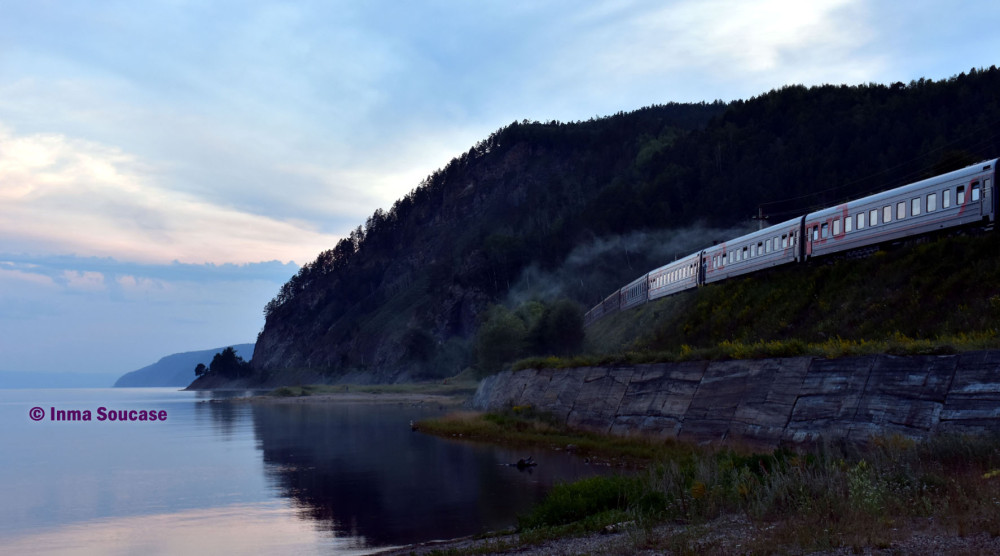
(568, 211)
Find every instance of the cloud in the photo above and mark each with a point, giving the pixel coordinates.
(83, 281)
(621, 55)
(62, 313)
(68, 195)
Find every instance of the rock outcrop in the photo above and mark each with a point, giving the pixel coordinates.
(766, 402)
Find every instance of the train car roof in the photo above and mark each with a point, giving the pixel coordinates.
(753, 236)
(909, 188)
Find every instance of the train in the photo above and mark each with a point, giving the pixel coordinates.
(948, 201)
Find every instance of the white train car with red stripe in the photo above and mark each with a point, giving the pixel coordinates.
(966, 197)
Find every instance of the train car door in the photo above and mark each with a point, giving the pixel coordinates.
(990, 196)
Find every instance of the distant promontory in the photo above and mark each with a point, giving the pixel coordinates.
(176, 369)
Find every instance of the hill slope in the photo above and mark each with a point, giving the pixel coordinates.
(399, 298)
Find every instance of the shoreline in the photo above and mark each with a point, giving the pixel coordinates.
(726, 534)
(360, 397)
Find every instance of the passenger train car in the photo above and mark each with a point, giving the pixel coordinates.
(960, 198)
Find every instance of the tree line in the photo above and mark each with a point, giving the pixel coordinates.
(226, 364)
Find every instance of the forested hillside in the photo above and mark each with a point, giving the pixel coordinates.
(547, 210)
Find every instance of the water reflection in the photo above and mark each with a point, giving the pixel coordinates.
(334, 477)
(240, 529)
(359, 470)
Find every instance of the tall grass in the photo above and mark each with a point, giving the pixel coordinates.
(826, 498)
(895, 344)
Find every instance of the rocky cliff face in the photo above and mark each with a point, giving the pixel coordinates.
(767, 402)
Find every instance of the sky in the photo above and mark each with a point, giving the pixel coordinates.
(166, 165)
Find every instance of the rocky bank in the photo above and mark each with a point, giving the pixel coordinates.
(766, 402)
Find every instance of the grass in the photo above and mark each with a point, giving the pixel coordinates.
(522, 426)
(827, 498)
(897, 344)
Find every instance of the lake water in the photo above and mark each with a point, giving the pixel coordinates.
(238, 478)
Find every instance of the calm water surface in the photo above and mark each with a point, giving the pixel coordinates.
(239, 478)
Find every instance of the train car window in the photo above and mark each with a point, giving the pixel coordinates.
(960, 195)
(784, 241)
(815, 233)
(848, 224)
(873, 217)
(767, 246)
(915, 206)
(744, 257)
(836, 227)
(975, 191)
(886, 215)
(946, 198)
(760, 248)
(900, 210)
(861, 221)
(825, 231)
(931, 202)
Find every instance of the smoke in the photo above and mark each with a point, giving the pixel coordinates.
(594, 270)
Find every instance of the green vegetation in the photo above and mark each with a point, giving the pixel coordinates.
(534, 328)
(522, 426)
(821, 499)
(937, 297)
(225, 364)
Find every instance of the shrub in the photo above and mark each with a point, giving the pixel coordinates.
(569, 502)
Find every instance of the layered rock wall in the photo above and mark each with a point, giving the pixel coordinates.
(766, 402)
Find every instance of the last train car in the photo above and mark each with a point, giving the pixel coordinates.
(958, 198)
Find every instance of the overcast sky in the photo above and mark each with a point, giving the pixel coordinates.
(166, 165)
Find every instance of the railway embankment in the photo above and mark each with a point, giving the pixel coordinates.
(766, 402)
